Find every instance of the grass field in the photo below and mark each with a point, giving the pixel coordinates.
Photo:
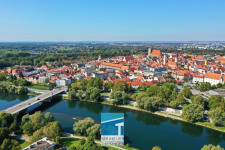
(39, 87)
(23, 144)
(211, 125)
(69, 141)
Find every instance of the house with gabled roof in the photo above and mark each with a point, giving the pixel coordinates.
(213, 78)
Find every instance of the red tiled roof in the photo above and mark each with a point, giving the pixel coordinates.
(156, 52)
(112, 65)
(172, 63)
(139, 83)
(213, 76)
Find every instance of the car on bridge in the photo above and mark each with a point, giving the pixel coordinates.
(37, 98)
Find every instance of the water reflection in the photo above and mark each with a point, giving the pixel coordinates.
(214, 137)
(12, 97)
(71, 104)
(192, 130)
(92, 107)
(150, 119)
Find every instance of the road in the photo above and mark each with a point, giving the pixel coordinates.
(23, 105)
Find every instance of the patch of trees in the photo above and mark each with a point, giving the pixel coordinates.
(149, 103)
(8, 87)
(212, 147)
(87, 127)
(217, 110)
(52, 130)
(8, 124)
(120, 92)
(193, 112)
(31, 123)
(88, 144)
(204, 86)
(166, 92)
(88, 90)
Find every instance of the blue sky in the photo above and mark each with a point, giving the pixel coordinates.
(112, 20)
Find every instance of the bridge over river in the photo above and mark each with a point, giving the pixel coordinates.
(23, 105)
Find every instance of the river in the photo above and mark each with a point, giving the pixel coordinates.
(142, 130)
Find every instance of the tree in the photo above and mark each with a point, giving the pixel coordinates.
(217, 115)
(174, 94)
(205, 86)
(153, 103)
(37, 120)
(171, 86)
(193, 112)
(37, 135)
(156, 148)
(52, 130)
(174, 104)
(46, 81)
(121, 86)
(4, 133)
(109, 85)
(6, 145)
(152, 90)
(187, 92)
(94, 94)
(180, 99)
(119, 97)
(164, 93)
(2, 76)
(28, 128)
(212, 147)
(199, 100)
(216, 101)
(81, 126)
(51, 86)
(22, 91)
(94, 131)
(15, 145)
(48, 117)
(219, 85)
(91, 145)
(20, 75)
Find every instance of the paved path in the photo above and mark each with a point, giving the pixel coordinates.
(23, 105)
(81, 137)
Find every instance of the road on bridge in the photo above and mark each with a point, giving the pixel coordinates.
(23, 105)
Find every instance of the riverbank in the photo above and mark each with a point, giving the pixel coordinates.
(171, 116)
(162, 114)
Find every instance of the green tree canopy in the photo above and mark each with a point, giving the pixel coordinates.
(193, 112)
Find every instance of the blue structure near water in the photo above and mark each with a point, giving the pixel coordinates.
(112, 128)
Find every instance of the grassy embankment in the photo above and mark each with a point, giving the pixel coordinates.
(38, 87)
(68, 141)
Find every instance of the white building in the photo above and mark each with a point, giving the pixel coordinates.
(213, 78)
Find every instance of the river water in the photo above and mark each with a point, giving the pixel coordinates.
(142, 130)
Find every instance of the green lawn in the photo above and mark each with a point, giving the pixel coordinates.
(138, 92)
(68, 141)
(39, 87)
(211, 125)
(23, 143)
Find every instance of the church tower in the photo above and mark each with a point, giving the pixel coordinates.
(165, 59)
(149, 51)
(177, 59)
(206, 62)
